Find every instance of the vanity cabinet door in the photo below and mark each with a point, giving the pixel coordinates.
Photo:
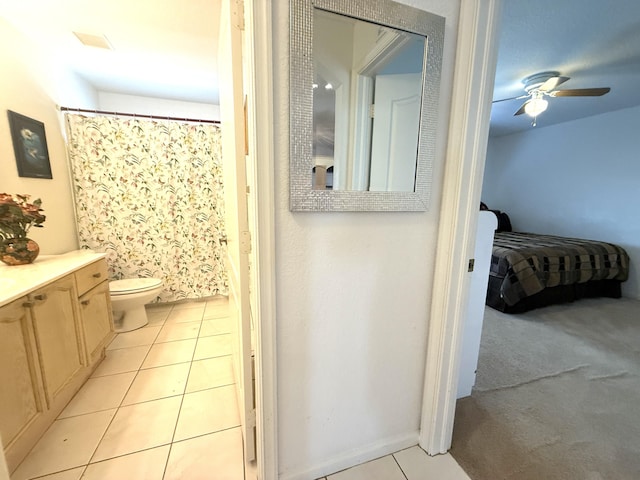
(57, 334)
(95, 313)
(21, 396)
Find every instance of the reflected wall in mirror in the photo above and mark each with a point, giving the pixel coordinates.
(367, 87)
(364, 80)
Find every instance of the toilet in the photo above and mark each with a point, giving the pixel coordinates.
(128, 298)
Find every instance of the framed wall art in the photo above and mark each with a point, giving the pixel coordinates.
(30, 146)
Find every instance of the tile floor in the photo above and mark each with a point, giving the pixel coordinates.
(160, 406)
(410, 464)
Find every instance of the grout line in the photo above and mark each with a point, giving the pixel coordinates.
(216, 335)
(175, 427)
(126, 454)
(185, 388)
(122, 400)
(208, 433)
(166, 462)
(84, 467)
(172, 341)
(400, 467)
(137, 371)
(127, 371)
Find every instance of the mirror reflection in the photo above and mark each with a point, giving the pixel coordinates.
(367, 93)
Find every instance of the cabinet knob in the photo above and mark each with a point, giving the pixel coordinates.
(85, 302)
(41, 297)
(97, 275)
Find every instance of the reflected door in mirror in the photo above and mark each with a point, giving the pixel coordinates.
(367, 94)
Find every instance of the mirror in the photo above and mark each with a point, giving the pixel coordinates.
(363, 108)
(375, 89)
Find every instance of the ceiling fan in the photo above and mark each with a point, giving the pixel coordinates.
(544, 84)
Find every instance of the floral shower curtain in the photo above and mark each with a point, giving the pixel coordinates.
(150, 195)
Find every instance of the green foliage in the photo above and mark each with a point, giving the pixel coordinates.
(17, 215)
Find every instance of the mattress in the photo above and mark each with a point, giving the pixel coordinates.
(525, 264)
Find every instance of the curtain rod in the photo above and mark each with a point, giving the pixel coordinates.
(123, 114)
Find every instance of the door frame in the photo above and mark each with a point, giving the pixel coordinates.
(258, 38)
(475, 66)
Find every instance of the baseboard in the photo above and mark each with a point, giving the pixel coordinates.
(354, 457)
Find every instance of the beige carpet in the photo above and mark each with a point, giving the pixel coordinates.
(557, 395)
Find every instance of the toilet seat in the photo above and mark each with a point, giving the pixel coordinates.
(133, 285)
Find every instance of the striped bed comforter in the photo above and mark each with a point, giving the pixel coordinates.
(527, 263)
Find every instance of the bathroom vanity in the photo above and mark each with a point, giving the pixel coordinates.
(55, 322)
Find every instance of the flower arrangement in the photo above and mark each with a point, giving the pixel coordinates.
(17, 215)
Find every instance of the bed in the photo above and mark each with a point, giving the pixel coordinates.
(531, 270)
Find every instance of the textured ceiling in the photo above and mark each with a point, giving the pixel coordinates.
(168, 49)
(162, 48)
(595, 42)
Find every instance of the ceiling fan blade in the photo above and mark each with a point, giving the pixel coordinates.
(521, 109)
(512, 98)
(552, 83)
(581, 92)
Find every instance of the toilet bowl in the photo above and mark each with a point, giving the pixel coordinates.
(128, 298)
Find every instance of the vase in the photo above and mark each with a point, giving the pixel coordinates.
(18, 251)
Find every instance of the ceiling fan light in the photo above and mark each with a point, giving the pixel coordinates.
(535, 106)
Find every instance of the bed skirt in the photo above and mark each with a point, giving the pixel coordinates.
(552, 295)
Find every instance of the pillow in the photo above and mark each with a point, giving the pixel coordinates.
(504, 223)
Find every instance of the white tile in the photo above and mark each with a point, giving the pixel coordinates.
(155, 383)
(197, 304)
(197, 458)
(217, 300)
(216, 310)
(169, 353)
(216, 346)
(135, 338)
(178, 331)
(157, 317)
(145, 465)
(185, 315)
(73, 474)
(68, 443)
(122, 360)
(417, 465)
(207, 411)
(158, 307)
(384, 468)
(139, 427)
(210, 373)
(217, 326)
(101, 393)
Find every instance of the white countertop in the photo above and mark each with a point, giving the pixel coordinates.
(18, 280)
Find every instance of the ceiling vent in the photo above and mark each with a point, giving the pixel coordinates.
(98, 41)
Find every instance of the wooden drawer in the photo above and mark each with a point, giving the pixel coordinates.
(90, 276)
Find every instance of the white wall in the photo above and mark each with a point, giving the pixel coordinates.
(32, 84)
(577, 179)
(157, 106)
(352, 305)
